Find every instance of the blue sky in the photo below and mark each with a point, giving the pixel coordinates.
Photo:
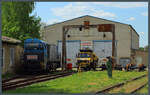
(133, 13)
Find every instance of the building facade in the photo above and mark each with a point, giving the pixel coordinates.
(126, 38)
(11, 52)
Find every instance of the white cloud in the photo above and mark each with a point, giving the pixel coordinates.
(101, 13)
(68, 11)
(131, 19)
(144, 13)
(123, 4)
(141, 33)
(79, 9)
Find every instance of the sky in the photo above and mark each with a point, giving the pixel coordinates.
(133, 13)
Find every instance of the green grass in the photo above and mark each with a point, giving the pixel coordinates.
(143, 90)
(85, 82)
(7, 75)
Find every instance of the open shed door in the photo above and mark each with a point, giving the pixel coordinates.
(102, 49)
(72, 48)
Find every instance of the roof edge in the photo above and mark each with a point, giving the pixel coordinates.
(133, 30)
(10, 40)
(82, 17)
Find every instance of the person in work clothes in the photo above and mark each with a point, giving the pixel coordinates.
(109, 67)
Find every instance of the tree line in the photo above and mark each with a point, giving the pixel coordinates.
(17, 21)
(144, 48)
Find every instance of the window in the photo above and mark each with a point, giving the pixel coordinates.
(3, 56)
(34, 46)
(11, 56)
(84, 55)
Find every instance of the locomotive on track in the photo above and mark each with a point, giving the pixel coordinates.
(40, 56)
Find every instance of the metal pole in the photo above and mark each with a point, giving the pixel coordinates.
(113, 40)
(1, 52)
(64, 54)
(65, 51)
(63, 42)
(113, 46)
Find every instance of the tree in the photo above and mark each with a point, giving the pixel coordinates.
(43, 24)
(17, 21)
(146, 48)
(141, 48)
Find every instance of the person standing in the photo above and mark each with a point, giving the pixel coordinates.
(109, 67)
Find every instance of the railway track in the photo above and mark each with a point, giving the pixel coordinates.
(139, 87)
(27, 75)
(117, 87)
(12, 78)
(21, 82)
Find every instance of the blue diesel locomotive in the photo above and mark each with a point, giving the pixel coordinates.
(40, 56)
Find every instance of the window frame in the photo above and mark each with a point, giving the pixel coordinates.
(12, 58)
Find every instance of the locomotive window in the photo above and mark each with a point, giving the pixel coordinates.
(84, 55)
(34, 46)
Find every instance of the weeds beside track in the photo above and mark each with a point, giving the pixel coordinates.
(110, 89)
(13, 84)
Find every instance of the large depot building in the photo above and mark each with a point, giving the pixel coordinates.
(126, 38)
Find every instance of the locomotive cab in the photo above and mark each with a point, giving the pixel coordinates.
(35, 53)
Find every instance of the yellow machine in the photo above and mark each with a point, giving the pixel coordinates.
(86, 59)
